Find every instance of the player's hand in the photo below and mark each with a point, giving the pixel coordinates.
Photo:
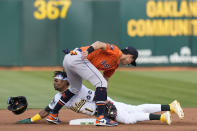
(25, 121)
(84, 55)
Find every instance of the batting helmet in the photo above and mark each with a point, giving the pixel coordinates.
(18, 104)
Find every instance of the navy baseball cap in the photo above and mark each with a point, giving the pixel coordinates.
(132, 51)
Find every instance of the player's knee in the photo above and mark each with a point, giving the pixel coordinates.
(101, 83)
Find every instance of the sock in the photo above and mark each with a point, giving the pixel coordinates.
(162, 118)
(171, 109)
(66, 96)
(154, 117)
(100, 98)
(165, 107)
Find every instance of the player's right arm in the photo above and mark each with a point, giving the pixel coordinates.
(42, 114)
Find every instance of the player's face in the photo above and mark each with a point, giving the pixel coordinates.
(60, 85)
(128, 59)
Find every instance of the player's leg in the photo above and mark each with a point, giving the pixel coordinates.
(173, 107)
(129, 114)
(164, 118)
(89, 72)
(152, 108)
(75, 82)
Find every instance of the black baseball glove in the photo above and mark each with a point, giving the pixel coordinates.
(111, 110)
(17, 105)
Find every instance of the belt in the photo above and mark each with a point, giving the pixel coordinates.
(72, 52)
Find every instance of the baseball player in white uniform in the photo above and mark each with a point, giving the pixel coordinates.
(83, 102)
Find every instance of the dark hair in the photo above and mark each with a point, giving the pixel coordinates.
(132, 51)
(62, 73)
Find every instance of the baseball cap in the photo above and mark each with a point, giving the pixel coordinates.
(132, 51)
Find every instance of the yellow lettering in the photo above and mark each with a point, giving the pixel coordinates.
(172, 28)
(160, 9)
(184, 27)
(163, 26)
(149, 28)
(193, 8)
(167, 8)
(140, 27)
(66, 4)
(174, 12)
(184, 8)
(151, 8)
(131, 28)
(194, 24)
(155, 28)
(41, 12)
(52, 10)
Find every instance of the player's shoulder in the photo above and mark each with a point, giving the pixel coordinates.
(113, 48)
(58, 95)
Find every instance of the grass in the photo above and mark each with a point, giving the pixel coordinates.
(133, 87)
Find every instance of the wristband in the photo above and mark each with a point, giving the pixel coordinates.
(90, 49)
(35, 118)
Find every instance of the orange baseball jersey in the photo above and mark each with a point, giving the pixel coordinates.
(105, 60)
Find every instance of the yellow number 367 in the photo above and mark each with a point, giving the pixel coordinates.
(52, 9)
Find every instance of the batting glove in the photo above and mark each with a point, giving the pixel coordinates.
(25, 121)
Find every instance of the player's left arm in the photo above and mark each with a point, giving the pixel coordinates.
(95, 46)
(99, 45)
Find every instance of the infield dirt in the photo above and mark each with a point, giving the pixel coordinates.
(8, 123)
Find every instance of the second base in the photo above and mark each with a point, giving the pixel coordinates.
(83, 121)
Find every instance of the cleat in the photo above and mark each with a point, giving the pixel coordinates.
(53, 119)
(102, 121)
(166, 118)
(175, 107)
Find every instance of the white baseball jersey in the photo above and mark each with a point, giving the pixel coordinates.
(80, 103)
(127, 114)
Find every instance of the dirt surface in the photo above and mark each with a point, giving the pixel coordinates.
(8, 119)
(53, 68)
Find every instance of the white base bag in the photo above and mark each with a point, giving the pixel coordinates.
(83, 121)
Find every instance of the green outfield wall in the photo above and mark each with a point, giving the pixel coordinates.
(34, 32)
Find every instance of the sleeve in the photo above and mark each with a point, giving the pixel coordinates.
(113, 49)
(54, 101)
(109, 73)
(110, 47)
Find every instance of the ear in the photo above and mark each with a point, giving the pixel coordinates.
(132, 56)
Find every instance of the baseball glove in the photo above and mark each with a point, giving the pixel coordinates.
(111, 110)
(17, 105)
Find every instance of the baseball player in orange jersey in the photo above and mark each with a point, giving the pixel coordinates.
(84, 64)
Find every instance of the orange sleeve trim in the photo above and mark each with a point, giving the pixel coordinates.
(100, 104)
(60, 103)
